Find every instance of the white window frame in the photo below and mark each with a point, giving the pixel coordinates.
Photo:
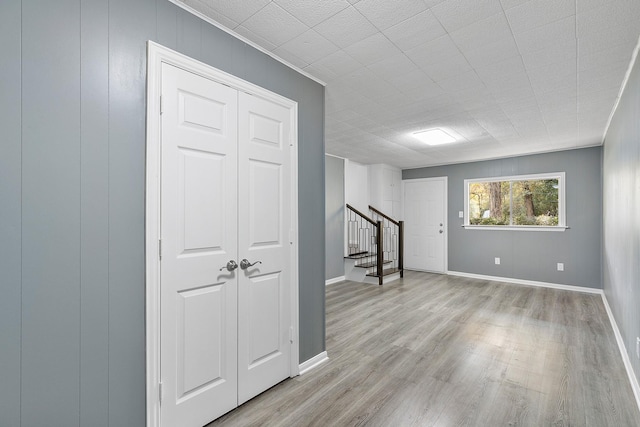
(562, 220)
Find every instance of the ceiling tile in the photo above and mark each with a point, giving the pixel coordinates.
(237, 11)
(346, 28)
(274, 24)
(338, 63)
(482, 33)
(202, 7)
(468, 80)
(415, 31)
(493, 53)
(372, 49)
(561, 51)
(554, 77)
(312, 12)
(308, 46)
(508, 4)
(616, 69)
(396, 65)
(384, 13)
(611, 55)
(417, 83)
(456, 14)
(547, 35)
(601, 39)
(536, 13)
(448, 67)
(611, 14)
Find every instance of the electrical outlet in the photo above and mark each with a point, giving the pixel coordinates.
(460, 214)
(560, 266)
(638, 347)
(497, 261)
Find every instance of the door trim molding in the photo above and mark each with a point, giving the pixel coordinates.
(445, 213)
(156, 56)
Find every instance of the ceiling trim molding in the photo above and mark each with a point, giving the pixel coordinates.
(622, 89)
(245, 40)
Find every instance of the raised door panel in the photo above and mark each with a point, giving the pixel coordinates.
(199, 236)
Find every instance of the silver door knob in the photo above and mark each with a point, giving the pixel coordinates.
(231, 265)
(244, 264)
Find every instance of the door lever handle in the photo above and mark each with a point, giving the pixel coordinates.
(244, 264)
(231, 265)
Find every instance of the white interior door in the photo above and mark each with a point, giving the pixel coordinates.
(198, 338)
(264, 346)
(425, 228)
(225, 333)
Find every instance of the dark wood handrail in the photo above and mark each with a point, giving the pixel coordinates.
(361, 214)
(383, 215)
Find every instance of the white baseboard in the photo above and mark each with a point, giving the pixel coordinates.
(528, 282)
(314, 362)
(334, 280)
(623, 352)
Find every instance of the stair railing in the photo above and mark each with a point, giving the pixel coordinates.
(364, 236)
(392, 239)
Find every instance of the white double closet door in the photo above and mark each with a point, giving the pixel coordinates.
(225, 196)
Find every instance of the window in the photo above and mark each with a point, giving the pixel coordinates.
(524, 202)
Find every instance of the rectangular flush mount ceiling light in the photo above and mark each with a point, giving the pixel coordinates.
(434, 137)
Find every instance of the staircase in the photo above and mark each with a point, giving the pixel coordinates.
(375, 247)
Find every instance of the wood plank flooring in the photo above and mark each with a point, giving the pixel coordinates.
(435, 350)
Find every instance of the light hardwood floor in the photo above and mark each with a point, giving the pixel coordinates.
(435, 350)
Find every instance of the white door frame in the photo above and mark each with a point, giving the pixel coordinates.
(446, 212)
(156, 55)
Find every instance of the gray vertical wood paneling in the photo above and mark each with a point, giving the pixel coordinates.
(131, 24)
(189, 34)
(216, 47)
(621, 233)
(51, 213)
(10, 212)
(94, 220)
(167, 16)
(311, 224)
(334, 223)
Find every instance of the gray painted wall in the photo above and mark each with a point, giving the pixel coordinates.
(72, 114)
(621, 236)
(334, 206)
(530, 255)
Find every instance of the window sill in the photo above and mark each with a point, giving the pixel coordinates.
(514, 228)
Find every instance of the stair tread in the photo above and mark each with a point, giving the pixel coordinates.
(372, 264)
(386, 272)
(360, 255)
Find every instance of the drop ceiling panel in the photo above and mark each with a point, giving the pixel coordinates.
(312, 12)
(415, 31)
(536, 13)
(237, 11)
(308, 46)
(456, 14)
(346, 28)
(274, 24)
(384, 14)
